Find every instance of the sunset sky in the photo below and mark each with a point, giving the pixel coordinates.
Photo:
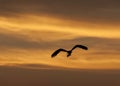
(30, 31)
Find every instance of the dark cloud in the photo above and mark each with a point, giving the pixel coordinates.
(90, 10)
(38, 66)
(19, 41)
(15, 76)
(95, 43)
(102, 45)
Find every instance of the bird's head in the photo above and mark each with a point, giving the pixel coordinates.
(84, 47)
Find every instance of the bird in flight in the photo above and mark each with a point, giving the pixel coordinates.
(69, 52)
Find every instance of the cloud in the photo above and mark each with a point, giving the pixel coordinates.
(17, 47)
(30, 39)
(36, 66)
(94, 42)
(86, 10)
(15, 76)
(21, 41)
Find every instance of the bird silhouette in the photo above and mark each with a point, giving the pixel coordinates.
(69, 52)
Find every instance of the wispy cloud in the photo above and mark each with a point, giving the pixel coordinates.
(24, 41)
(94, 10)
(30, 30)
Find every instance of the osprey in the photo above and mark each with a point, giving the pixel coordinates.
(69, 52)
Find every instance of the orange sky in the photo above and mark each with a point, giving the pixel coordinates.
(29, 37)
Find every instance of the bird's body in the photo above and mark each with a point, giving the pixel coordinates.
(69, 52)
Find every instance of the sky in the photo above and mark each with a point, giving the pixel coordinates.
(31, 30)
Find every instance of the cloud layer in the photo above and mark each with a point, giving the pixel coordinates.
(82, 10)
(30, 30)
(20, 40)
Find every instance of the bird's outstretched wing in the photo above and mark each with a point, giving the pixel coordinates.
(80, 46)
(57, 51)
